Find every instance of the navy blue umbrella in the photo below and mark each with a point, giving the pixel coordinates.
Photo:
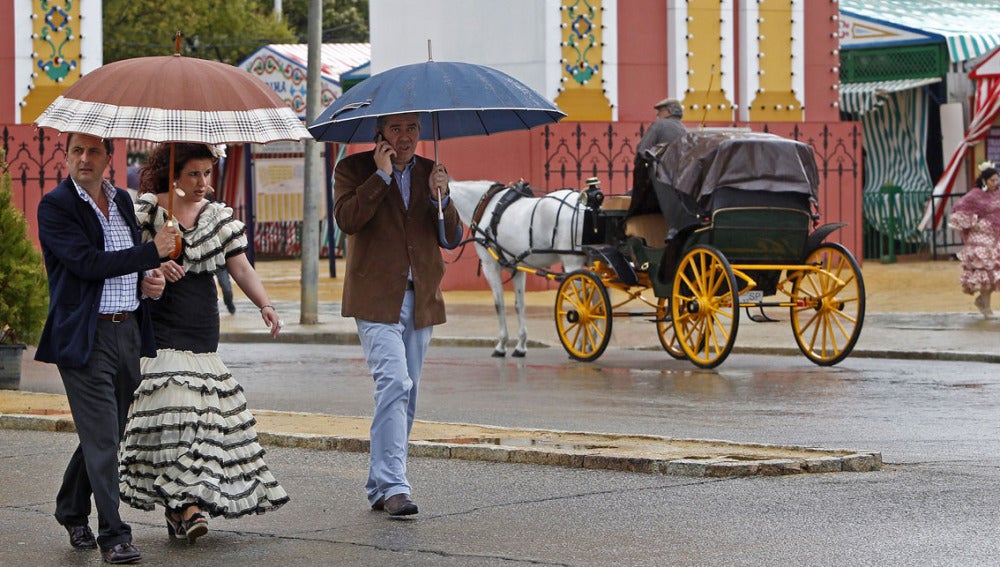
(454, 100)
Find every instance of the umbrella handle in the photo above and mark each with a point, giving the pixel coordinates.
(442, 233)
(443, 236)
(176, 252)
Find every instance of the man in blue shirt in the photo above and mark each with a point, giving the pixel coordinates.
(96, 330)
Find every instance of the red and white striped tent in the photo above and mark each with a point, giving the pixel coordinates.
(986, 109)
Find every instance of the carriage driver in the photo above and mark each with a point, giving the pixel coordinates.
(665, 129)
(386, 201)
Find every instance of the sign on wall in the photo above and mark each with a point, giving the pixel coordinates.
(993, 144)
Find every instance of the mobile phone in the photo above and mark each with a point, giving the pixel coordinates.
(379, 137)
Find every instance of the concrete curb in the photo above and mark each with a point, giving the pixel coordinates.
(819, 460)
(351, 338)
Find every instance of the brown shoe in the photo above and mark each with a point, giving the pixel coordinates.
(81, 537)
(121, 553)
(400, 505)
(379, 504)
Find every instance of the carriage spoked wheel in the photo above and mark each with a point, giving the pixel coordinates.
(665, 330)
(828, 317)
(583, 315)
(704, 306)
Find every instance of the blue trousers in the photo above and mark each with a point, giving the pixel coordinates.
(395, 355)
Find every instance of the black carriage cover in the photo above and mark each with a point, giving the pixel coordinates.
(748, 167)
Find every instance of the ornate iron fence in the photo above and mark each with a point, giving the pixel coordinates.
(36, 160)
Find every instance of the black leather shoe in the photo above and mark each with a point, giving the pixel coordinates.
(400, 505)
(81, 537)
(121, 553)
(379, 504)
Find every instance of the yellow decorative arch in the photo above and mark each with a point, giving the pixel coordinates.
(705, 98)
(775, 99)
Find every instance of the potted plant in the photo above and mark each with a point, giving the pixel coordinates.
(24, 296)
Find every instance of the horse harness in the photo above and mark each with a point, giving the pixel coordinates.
(517, 191)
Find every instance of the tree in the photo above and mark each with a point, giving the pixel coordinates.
(24, 291)
(224, 30)
(344, 21)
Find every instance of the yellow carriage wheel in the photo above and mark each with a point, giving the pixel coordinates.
(665, 330)
(704, 307)
(827, 317)
(583, 315)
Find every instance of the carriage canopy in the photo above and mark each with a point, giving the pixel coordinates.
(700, 162)
(749, 168)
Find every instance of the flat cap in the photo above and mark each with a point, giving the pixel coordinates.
(667, 102)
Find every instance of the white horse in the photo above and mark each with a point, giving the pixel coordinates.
(530, 232)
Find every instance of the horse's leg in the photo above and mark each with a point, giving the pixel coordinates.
(494, 276)
(522, 324)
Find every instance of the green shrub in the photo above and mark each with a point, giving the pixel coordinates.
(24, 294)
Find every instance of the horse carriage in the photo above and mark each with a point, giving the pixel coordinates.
(720, 221)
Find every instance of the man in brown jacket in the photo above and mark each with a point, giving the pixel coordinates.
(386, 201)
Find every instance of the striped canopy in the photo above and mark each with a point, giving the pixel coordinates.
(970, 27)
(861, 98)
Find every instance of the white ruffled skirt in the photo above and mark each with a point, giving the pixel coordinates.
(191, 440)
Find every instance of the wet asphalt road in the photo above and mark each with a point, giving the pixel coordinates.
(909, 410)
(937, 502)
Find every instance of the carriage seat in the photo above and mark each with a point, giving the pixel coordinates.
(652, 228)
(616, 202)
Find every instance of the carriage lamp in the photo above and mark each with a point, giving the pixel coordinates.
(592, 196)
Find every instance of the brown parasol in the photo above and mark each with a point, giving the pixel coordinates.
(172, 98)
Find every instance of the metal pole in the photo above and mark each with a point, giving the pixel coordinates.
(313, 175)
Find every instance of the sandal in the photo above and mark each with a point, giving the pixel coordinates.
(195, 526)
(175, 527)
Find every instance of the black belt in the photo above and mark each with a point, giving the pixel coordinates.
(115, 317)
(409, 285)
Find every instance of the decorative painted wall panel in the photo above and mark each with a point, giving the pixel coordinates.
(581, 94)
(55, 40)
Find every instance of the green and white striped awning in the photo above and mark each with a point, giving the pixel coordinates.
(970, 27)
(861, 98)
(893, 116)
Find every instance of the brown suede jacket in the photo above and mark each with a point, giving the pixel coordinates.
(385, 240)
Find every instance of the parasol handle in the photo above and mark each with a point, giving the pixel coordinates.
(170, 203)
(177, 243)
(177, 43)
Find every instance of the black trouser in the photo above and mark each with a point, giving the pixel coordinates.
(227, 287)
(99, 395)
